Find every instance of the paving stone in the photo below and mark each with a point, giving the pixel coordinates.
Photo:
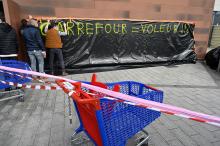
(186, 140)
(157, 140)
(44, 126)
(190, 122)
(11, 141)
(56, 143)
(23, 116)
(60, 97)
(216, 143)
(217, 134)
(175, 143)
(174, 118)
(33, 121)
(166, 134)
(15, 112)
(67, 140)
(52, 95)
(37, 110)
(188, 130)
(205, 133)
(6, 108)
(26, 141)
(42, 139)
(3, 138)
(49, 104)
(40, 143)
(1, 117)
(59, 107)
(167, 122)
(57, 135)
(5, 127)
(215, 109)
(211, 128)
(150, 129)
(47, 114)
(201, 140)
(58, 119)
(17, 130)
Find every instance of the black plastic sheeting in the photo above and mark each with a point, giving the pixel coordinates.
(212, 58)
(124, 43)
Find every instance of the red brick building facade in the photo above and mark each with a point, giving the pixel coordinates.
(197, 11)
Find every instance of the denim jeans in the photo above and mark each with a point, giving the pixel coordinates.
(59, 54)
(36, 55)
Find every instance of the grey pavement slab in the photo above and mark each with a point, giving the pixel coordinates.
(175, 143)
(42, 120)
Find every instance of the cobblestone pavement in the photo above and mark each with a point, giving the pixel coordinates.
(42, 120)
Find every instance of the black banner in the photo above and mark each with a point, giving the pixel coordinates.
(92, 43)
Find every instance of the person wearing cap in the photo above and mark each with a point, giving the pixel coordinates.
(54, 44)
(34, 45)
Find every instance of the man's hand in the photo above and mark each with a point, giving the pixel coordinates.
(65, 29)
(44, 54)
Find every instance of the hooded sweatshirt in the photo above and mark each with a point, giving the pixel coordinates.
(8, 40)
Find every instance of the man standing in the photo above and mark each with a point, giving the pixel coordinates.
(8, 42)
(54, 44)
(34, 45)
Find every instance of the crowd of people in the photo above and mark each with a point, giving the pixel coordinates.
(36, 48)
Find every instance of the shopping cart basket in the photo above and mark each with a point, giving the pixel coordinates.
(13, 77)
(110, 122)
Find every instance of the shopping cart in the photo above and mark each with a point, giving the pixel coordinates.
(110, 122)
(8, 76)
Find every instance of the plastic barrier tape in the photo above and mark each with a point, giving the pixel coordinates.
(165, 108)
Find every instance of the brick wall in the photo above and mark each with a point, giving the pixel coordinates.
(198, 11)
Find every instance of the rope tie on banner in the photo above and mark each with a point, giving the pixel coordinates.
(162, 107)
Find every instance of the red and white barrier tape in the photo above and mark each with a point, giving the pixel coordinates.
(14, 74)
(37, 87)
(68, 89)
(214, 120)
(28, 77)
(162, 111)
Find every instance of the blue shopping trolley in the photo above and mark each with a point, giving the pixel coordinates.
(109, 122)
(9, 76)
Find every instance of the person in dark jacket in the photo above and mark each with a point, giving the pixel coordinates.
(23, 25)
(8, 41)
(34, 45)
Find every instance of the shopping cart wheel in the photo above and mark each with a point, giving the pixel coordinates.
(21, 92)
(21, 99)
(143, 139)
(79, 139)
(144, 144)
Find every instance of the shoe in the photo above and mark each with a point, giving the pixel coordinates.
(64, 74)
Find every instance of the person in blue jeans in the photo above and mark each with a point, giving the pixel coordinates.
(34, 45)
